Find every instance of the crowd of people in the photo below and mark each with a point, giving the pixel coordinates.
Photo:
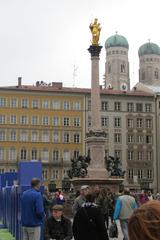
(94, 210)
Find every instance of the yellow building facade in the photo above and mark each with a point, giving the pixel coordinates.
(44, 123)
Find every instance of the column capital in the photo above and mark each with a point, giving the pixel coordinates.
(95, 50)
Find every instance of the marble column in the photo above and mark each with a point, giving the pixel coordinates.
(96, 137)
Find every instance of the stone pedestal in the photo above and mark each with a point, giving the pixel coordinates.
(96, 144)
(111, 183)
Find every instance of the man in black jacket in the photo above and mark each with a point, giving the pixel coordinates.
(88, 223)
(57, 226)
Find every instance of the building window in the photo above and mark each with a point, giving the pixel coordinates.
(117, 122)
(24, 136)
(55, 174)
(139, 122)
(55, 121)
(34, 120)
(139, 107)
(149, 139)
(56, 104)
(66, 155)
(23, 155)
(140, 173)
(56, 137)
(122, 68)
(13, 136)
(130, 107)
(104, 106)
(66, 121)
(66, 138)
(13, 103)
(2, 102)
(89, 105)
(130, 155)
(109, 68)
(45, 120)
(130, 173)
(130, 123)
(76, 138)
(89, 121)
(140, 139)
(34, 103)
(12, 154)
(45, 174)
(24, 103)
(66, 105)
(149, 155)
(34, 136)
(130, 138)
(2, 170)
(148, 107)
(76, 122)
(117, 106)
(76, 154)
(117, 154)
(149, 174)
(45, 155)
(24, 120)
(45, 104)
(140, 155)
(77, 106)
(2, 135)
(117, 137)
(13, 119)
(156, 74)
(2, 119)
(12, 170)
(55, 155)
(143, 75)
(1, 153)
(148, 123)
(104, 121)
(34, 154)
(45, 136)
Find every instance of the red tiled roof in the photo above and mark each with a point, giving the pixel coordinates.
(76, 90)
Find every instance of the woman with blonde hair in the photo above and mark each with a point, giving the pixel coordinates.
(144, 223)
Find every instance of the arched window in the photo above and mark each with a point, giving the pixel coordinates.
(45, 155)
(156, 74)
(12, 154)
(34, 154)
(143, 75)
(66, 155)
(55, 155)
(23, 154)
(122, 68)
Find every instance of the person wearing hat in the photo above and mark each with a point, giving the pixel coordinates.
(80, 200)
(57, 226)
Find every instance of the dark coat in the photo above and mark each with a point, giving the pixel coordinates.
(59, 230)
(89, 224)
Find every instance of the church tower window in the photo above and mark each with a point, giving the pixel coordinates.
(143, 75)
(156, 74)
(122, 68)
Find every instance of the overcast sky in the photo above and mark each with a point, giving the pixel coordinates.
(42, 40)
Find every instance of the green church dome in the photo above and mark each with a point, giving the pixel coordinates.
(149, 48)
(116, 41)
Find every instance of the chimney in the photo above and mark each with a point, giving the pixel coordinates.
(58, 85)
(19, 81)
